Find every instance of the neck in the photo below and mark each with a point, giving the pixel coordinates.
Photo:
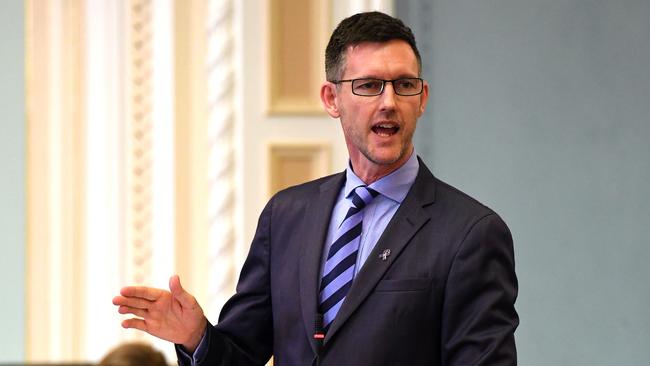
(370, 172)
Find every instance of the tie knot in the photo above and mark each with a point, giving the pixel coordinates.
(362, 195)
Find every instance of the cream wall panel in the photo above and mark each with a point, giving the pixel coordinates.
(298, 32)
(54, 172)
(294, 163)
(190, 131)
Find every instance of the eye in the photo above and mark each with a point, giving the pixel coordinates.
(368, 85)
(406, 84)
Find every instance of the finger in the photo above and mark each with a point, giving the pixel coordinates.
(135, 311)
(183, 297)
(134, 324)
(148, 293)
(133, 302)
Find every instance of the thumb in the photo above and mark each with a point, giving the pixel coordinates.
(178, 292)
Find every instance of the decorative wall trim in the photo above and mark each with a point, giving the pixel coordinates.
(298, 36)
(292, 163)
(139, 143)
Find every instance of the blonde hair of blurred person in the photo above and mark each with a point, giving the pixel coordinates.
(134, 354)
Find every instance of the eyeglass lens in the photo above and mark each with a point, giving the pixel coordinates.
(405, 86)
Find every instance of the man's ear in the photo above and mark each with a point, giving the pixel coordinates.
(424, 97)
(328, 97)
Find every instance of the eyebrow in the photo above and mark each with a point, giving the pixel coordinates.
(402, 76)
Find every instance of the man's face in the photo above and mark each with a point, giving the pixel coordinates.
(379, 129)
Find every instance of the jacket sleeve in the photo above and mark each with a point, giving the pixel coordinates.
(479, 317)
(244, 334)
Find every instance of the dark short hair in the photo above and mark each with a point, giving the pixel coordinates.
(134, 354)
(364, 27)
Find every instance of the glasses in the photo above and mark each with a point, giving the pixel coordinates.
(369, 87)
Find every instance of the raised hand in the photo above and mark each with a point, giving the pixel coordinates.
(173, 315)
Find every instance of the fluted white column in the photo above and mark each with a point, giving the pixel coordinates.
(221, 158)
(105, 172)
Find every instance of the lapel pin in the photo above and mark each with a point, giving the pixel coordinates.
(384, 255)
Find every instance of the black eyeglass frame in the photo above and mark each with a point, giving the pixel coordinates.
(383, 86)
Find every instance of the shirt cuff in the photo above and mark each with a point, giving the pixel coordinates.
(200, 352)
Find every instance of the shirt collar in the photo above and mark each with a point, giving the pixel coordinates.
(394, 186)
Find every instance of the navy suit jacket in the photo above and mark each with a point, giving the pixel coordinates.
(444, 296)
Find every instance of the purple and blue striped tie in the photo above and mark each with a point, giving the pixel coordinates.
(339, 269)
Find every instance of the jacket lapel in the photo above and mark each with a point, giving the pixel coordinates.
(314, 232)
(408, 219)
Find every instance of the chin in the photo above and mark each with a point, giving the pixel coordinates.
(388, 156)
(384, 159)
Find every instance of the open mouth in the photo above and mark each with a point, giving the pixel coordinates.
(385, 128)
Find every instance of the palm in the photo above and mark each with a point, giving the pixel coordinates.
(169, 320)
(173, 316)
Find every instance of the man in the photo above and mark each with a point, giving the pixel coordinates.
(380, 265)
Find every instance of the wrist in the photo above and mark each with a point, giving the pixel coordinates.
(195, 338)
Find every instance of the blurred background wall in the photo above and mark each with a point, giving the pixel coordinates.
(12, 183)
(541, 110)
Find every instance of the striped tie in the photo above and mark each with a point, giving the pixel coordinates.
(338, 272)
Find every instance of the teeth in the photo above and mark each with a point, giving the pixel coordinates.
(385, 129)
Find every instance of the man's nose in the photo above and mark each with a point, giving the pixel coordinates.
(388, 96)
